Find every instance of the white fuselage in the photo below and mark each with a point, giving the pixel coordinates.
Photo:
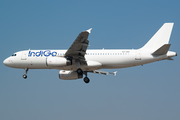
(78, 60)
(96, 59)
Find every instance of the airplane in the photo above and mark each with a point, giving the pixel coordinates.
(78, 61)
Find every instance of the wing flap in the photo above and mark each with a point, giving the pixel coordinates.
(104, 72)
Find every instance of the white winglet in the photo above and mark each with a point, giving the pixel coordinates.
(89, 30)
(114, 73)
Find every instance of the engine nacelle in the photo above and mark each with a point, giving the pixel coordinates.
(69, 75)
(57, 61)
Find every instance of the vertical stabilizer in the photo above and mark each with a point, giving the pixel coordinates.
(161, 37)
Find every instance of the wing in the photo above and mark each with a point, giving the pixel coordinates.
(78, 49)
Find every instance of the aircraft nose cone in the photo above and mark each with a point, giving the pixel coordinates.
(7, 62)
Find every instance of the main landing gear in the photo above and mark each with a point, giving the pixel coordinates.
(25, 75)
(80, 73)
(86, 80)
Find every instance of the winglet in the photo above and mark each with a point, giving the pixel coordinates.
(89, 30)
(114, 73)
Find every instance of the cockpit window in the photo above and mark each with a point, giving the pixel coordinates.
(13, 54)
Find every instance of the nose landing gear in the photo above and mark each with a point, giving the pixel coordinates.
(25, 75)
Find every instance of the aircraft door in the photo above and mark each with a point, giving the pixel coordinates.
(24, 55)
(138, 55)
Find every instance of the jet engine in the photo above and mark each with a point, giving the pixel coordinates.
(69, 75)
(57, 61)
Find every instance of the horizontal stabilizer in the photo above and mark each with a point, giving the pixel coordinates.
(170, 58)
(162, 50)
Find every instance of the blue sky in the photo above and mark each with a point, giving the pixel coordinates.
(145, 92)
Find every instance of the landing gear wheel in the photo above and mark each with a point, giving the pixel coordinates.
(86, 80)
(79, 71)
(24, 76)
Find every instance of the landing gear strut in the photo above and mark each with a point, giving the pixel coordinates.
(25, 75)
